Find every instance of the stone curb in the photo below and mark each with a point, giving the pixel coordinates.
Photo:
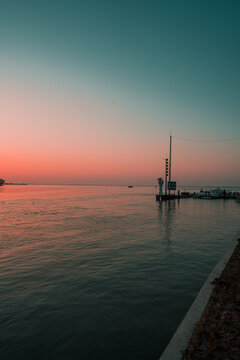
(182, 335)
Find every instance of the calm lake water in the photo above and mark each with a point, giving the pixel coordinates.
(102, 272)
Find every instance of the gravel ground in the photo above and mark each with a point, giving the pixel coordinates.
(217, 334)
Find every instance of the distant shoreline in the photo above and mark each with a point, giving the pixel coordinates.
(15, 184)
(123, 185)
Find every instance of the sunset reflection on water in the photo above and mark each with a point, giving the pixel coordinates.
(100, 271)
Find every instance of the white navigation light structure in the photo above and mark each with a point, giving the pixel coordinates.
(160, 184)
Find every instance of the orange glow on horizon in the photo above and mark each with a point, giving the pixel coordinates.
(62, 140)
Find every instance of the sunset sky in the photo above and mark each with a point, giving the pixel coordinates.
(90, 90)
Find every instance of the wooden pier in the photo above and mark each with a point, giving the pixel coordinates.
(167, 197)
(226, 195)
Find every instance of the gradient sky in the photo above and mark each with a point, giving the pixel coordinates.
(89, 91)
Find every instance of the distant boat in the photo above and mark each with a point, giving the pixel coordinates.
(130, 186)
(216, 193)
(210, 194)
(235, 195)
(238, 199)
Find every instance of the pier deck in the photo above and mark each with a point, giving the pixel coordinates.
(167, 197)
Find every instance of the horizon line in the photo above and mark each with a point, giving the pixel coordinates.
(115, 185)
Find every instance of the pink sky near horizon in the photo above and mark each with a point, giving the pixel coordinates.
(57, 138)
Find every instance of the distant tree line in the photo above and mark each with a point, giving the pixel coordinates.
(2, 182)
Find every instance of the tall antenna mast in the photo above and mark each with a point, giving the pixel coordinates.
(170, 163)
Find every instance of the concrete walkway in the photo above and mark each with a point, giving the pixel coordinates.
(184, 332)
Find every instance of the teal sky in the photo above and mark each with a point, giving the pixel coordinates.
(174, 64)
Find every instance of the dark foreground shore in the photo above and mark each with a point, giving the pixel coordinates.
(217, 334)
